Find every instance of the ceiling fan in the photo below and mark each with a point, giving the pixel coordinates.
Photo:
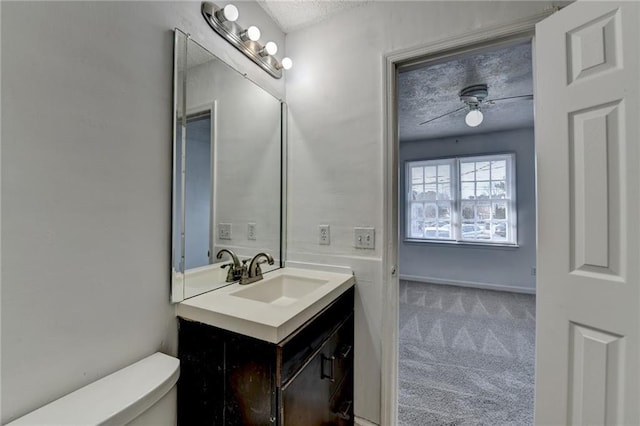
(474, 97)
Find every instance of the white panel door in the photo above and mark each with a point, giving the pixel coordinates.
(588, 163)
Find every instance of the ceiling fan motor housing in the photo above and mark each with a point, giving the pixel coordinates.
(474, 95)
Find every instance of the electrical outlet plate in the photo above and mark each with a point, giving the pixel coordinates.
(364, 238)
(251, 231)
(224, 231)
(323, 235)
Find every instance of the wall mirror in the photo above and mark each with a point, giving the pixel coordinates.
(227, 170)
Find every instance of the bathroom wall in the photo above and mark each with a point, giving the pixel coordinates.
(86, 186)
(505, 268)
(335, 93)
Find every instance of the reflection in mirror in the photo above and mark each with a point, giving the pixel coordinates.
(227, 171)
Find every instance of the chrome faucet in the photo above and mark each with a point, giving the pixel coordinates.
(254, 272)
(235, 269)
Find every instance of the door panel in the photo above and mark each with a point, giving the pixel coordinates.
(594, 153)
(596, 371)
(588, 312)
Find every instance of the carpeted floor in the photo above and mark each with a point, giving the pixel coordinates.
(466, 356)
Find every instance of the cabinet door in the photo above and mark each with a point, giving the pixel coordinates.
(250, 382)
(201, 383)
(322, 392)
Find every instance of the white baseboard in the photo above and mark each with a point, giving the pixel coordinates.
(486, 286)
(359, 421)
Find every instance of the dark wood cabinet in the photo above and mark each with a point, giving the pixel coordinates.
(307, 379)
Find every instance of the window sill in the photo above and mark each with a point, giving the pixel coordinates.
(468, 244)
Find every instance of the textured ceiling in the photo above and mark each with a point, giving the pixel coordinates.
(291, 15)
(431, 90)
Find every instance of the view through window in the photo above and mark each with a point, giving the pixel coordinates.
(462, 199)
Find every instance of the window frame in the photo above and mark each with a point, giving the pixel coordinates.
(456, 220)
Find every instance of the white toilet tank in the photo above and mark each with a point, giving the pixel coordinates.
(143, 393)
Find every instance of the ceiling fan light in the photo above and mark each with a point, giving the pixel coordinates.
(473, 118)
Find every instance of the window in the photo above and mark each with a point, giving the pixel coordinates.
(465, 199)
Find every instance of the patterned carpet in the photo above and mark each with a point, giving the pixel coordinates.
(466, 356)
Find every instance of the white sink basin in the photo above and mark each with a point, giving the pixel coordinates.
(282, 290)
(269, 309)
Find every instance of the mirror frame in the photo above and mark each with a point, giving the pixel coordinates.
(177, 280)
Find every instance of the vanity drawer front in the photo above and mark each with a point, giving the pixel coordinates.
(322, 392)
(302, 344)
(337, 356)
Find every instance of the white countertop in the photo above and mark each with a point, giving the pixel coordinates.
(266, 321)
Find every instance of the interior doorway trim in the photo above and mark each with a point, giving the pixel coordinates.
(392, 61)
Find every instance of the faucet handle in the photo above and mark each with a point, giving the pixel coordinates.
(232, 274)
(244, 272)
(258, 269)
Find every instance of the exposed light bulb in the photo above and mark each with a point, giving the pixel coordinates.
(473, 118)
(269, 49)
(228, 13)
(252, 33)
(286, 63)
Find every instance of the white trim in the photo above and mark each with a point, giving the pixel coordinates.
(359, 421)
(472, 284)
(390, 236)
(284, 182)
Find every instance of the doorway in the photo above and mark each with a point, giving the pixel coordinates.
(467, 228)
(393, 196)
(587, 168)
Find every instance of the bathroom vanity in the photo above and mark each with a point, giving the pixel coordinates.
(280, 355)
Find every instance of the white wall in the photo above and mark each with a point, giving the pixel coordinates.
(504, 268)
(86, 185)
(335, 98)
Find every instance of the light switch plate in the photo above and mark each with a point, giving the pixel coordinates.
(224, 231)
(364, 238)
(323, 235)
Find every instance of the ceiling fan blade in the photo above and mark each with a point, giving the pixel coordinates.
(443, 115)
(509, 97)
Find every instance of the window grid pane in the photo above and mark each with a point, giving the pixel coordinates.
(485, 211)
(430, 218)
(490, 221)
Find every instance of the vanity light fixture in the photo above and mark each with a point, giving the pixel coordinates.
(228, 13)
(252, 33)
(269, 49)
(222, 21)
(286, 63)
